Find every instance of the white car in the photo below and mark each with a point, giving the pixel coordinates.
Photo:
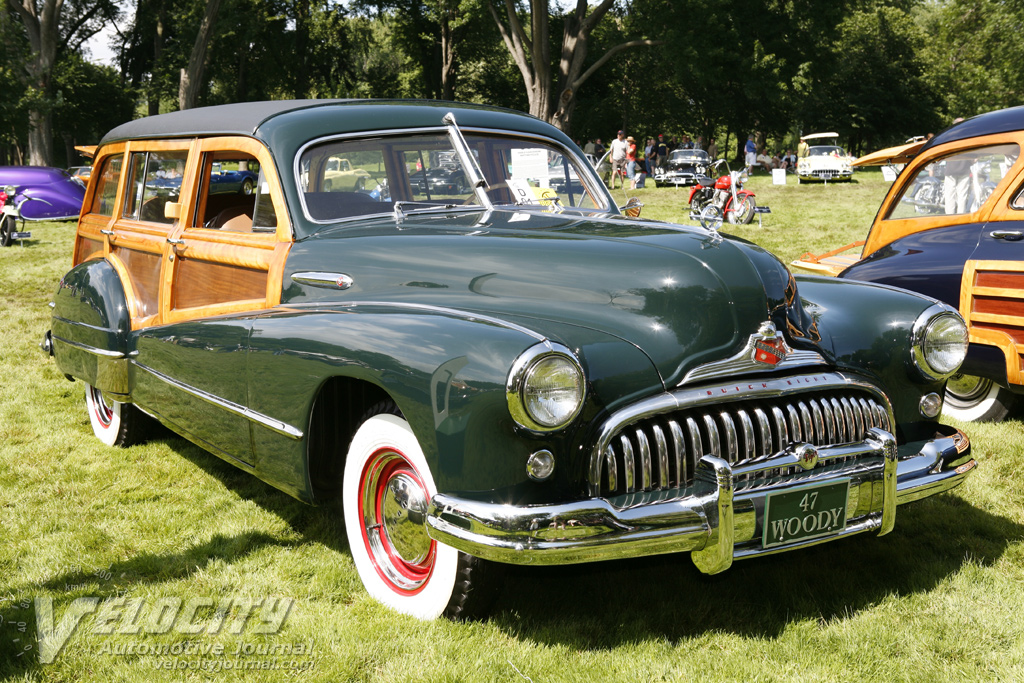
(825, 161)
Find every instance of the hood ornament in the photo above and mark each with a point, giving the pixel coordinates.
(769, 346)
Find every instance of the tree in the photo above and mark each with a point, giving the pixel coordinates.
(52, 27)
(192, 76)
(552, 94)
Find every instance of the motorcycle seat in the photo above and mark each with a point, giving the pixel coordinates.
(704, 181)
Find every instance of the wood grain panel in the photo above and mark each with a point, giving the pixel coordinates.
(256, 256)
(999, 306)
(143, 268)
(203, 283)
(999, 280)
(87, 249)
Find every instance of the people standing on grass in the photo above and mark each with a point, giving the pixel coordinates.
(618, 154)
(751, 154)
(631, 161)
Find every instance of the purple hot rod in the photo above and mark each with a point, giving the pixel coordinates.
(41, 193)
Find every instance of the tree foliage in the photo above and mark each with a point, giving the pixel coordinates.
(876, 71)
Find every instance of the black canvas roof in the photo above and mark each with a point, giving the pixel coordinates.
(242, 118)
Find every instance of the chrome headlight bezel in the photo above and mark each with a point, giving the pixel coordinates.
(924, 326)
(519, 378)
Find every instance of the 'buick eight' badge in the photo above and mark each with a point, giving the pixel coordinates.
(769, 346)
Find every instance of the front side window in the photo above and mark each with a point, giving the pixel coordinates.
(156, 179)
(956, 184)
(356, 177)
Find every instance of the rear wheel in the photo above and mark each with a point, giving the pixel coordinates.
(386, 489)
(114, 423)
(976, 399)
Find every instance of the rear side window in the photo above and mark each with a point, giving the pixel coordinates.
(106, 186)
(155, 180)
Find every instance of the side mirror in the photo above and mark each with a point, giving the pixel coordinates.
(632, 207)
(172, 210)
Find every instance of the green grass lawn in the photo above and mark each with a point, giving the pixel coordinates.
(939, 599)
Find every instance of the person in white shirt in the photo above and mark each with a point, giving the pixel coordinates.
(618, 155)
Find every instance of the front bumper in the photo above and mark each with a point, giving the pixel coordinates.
(676, 179)
(719, 518)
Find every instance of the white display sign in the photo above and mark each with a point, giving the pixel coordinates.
(531, 163)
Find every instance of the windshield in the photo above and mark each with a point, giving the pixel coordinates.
(689, 155)
(358, 177)
(826, 150)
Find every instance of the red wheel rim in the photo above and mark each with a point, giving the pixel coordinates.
(401, 575)
(104, 413)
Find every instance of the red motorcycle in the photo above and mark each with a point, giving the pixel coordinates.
(712, 200)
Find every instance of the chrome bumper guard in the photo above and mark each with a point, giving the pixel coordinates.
(718, 518)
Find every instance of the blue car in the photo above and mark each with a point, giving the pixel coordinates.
(952, 228)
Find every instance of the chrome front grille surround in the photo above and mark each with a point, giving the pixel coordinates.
(657, 444)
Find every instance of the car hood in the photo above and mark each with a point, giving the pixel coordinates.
(684, 296)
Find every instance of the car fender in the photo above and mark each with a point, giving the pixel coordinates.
(867, 343)
(91, 325)
(446, 371)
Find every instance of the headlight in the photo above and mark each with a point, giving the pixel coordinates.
(545, 388)
(939, 342)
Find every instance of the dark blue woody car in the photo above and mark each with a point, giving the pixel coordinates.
(952, 227)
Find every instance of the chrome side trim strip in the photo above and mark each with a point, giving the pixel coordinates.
(89, 349)
(456, 312)
(230, 406)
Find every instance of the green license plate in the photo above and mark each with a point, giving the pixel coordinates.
(806, 512)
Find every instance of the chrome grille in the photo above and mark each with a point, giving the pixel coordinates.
(662, 451)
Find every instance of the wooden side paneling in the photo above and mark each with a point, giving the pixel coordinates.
(143, 269)
(992, 303)
(202, 283)
(87, 249)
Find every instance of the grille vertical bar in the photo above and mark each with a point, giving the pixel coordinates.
(661, 452)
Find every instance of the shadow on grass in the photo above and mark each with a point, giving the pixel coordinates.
(603, 605)
(608, 604)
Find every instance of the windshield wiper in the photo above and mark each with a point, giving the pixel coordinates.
(469, 164)
(424, 207)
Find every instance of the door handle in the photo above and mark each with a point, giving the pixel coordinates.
(1008, 235)
(107, 232)
(175, 242)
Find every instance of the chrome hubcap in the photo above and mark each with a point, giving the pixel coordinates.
(405, 513)
(967, 387)
(393, 508)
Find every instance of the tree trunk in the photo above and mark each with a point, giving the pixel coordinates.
(153, 97)
(43, 33)
(192, 77)
(531, 54)
(449, 69)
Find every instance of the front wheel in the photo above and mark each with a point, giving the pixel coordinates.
(114, 423)
(743, 210)
(386, 489)
(247, 186)
(976, 399)
(7, 227)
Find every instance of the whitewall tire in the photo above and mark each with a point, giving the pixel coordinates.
(114, 423)
(976, 399)
(385, 491)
